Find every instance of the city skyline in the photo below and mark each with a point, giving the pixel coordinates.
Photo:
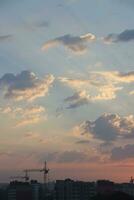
(67, 88)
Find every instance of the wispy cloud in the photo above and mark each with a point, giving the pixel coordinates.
(70, 156)
(98, 86)
(6, 110)
(35, 25)
(118, 77)
(31, 115)
(132, 92)
(73, 156)
(25, 86)
(32, 136)
(25, 115)
(77, 44)
(83, 142)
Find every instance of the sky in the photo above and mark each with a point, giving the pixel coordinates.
(67, 88)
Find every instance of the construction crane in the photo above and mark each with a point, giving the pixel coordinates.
(26, 178)
(131, 180)
(45, 171)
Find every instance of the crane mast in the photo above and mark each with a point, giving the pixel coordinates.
(132, 180)
(45, 170)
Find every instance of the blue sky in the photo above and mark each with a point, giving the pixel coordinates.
(66, 86)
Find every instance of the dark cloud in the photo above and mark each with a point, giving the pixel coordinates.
(109, 127)
(78, 99)
(125, 36)
(77, 44)
(25, 86)
(121, 153)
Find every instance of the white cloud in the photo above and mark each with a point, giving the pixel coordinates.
(96, 86)
(25, 115)
(31, 115)
(116, 77)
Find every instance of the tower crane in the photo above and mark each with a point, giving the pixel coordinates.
(26, 178)
(132, 180)
(45, 171)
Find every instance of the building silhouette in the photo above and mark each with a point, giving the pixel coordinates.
(19, 191)
(105, 187)
(74, 190)
(127, 188)
(67, 190)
